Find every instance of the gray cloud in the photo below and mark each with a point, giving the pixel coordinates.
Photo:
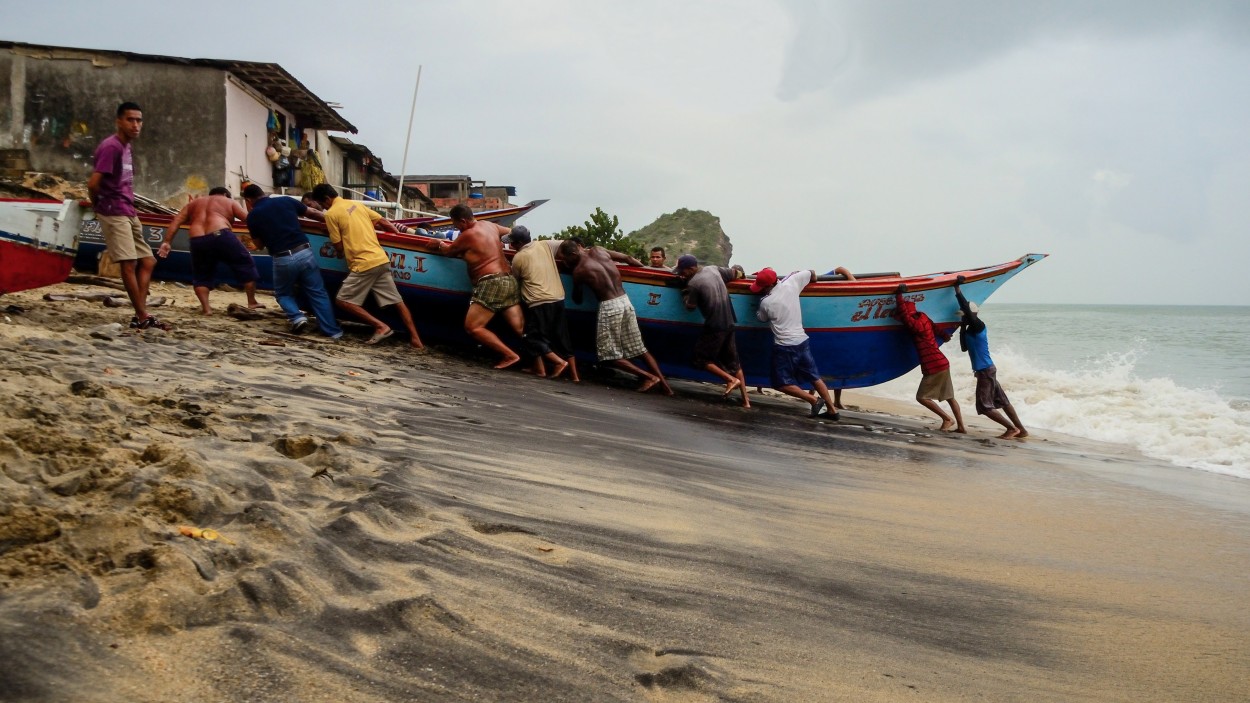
(861, 48)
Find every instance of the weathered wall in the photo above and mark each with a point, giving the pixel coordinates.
(331, 156)
(62, 108)
(247, 117)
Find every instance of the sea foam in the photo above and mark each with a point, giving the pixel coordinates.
(1104, 399)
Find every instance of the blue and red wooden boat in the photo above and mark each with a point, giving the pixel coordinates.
(38, 239)
(855, 340)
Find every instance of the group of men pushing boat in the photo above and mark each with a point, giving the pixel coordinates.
(528, 293)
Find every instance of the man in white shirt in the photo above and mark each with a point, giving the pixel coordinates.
(792, 355)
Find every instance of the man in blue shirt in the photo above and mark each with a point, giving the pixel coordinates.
(274, 224)
(991, 397)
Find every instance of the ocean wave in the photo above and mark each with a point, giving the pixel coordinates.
(1104, 399)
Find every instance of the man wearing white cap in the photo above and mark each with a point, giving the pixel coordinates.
(974, 339)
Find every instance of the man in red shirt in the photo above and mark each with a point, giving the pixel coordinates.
(936, 384)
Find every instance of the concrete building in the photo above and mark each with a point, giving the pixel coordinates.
(448, 191)
(207, 122)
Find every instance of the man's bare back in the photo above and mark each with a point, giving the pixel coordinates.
(598, 271)
(482, 250)
(211, 213)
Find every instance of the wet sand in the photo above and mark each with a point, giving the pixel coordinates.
(416, 526)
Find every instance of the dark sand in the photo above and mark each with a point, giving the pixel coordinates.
(414, 526)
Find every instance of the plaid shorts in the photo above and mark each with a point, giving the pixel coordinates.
(498, 291)
(618, 336)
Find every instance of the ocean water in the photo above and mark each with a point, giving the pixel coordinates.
(1172, 381)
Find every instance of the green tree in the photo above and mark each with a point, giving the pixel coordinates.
(603, 230)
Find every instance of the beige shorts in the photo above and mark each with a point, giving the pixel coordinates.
(123, 237)
(377, 280)
(936, 386)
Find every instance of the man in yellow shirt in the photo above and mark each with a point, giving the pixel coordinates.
(351, 228)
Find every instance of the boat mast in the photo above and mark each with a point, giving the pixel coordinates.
(403, 167)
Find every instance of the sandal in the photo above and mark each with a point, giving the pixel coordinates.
(379, 336)
(150, 322)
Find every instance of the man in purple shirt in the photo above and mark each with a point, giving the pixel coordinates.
(112, 195)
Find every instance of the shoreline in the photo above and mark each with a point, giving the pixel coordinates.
(417, 526)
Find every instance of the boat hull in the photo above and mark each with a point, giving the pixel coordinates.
(38, 239)
(854, 338)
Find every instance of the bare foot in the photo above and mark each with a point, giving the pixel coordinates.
(560, 368)
(838, 405)
(946, 425)
(667, 390)
(731, 387)
(961, 430)
(507, 361)
(648, 384)
(1023, 433)
(746, 403)
(206, 311)
(255, 305)
(416, 344)
(1009, 434)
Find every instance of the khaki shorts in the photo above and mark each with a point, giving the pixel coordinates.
(123, 237)
(377, 280)
(936, 386)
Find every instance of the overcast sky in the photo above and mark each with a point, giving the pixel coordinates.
(881, 135)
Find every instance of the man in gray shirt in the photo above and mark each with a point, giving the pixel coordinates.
(715, 351)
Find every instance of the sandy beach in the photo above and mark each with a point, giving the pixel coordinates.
(397, 525)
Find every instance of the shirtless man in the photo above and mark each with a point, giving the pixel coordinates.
(495, 291)
(209, 220)
(617, 337)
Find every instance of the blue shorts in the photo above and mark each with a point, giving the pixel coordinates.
(794, 365)
(220, 246)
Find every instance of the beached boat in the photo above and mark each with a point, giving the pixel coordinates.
(38, 239)
(177, 266)
(855, 340)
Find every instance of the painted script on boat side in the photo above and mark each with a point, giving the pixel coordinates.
(877, 308)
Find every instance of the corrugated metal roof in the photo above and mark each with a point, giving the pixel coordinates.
(269, 79)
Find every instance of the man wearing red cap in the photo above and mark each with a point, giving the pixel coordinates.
(792, 354)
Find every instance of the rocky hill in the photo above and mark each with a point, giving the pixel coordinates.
(695, 232)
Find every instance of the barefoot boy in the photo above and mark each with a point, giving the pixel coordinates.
(974, 339)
